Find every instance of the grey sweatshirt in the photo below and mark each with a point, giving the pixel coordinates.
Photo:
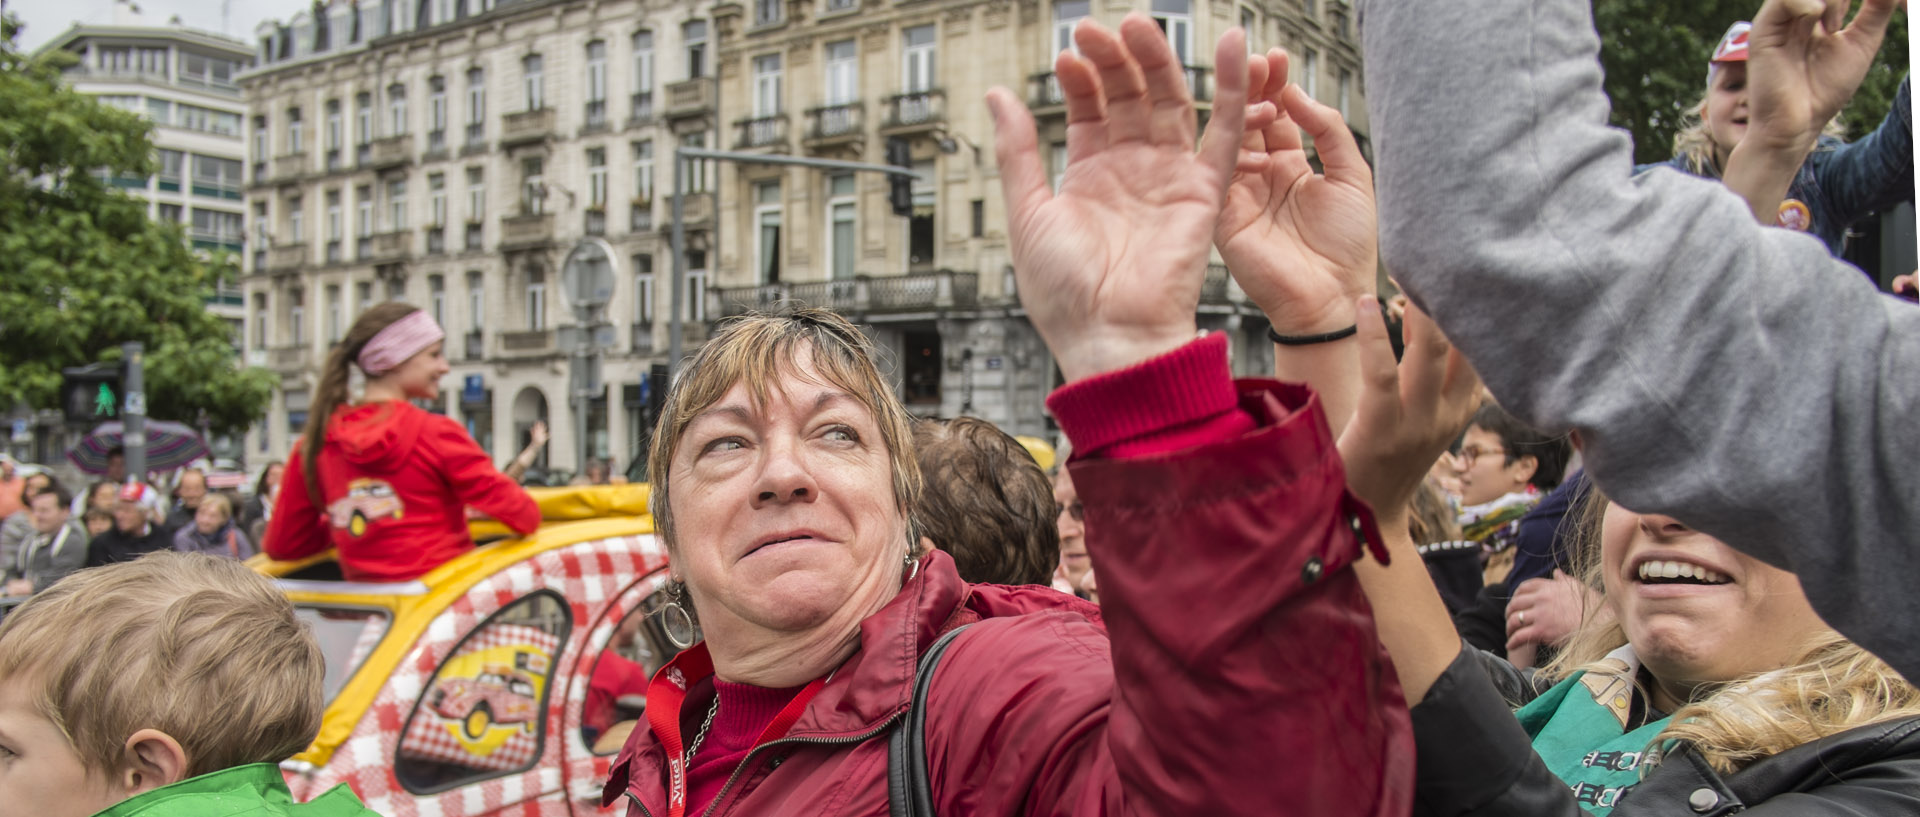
(1731, 375)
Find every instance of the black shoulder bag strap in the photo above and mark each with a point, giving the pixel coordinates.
(908, 792)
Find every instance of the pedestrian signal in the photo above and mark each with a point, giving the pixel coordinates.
(91, 394)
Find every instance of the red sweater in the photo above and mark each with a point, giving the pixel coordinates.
(395, 483)
(1183, 399)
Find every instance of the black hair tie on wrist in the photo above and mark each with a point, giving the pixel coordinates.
(1309, 340)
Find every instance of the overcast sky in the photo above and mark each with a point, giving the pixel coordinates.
(45, 18)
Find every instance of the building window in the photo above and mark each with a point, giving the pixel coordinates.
(766, 240)
(260, 149)
(171, 162)
(842, 206)
(436, 113)
(396, 109)
(642, 218)
(160, 111)
(363, 300)
(536, 299)
(695, 172)
(363, 203)
(841, 5)
(1346, 93)
(260, 320)
(1175, 17)
(766, 85)
(476, 107)
(1065, 14)
(533, 82)
(334, 134)
(172, 213)
(916, 67)
(979, 218)
(333, 313)
(1309, 76)
(694, 34)
(437, 200)
(643, 75)
(397, 287)
(533, 186)
(696, 289)
(296, 316)
(767, 12)
(396, 205)
(437, 298)
(476, 195)
(843, 74)
(333, 227)
(1340, 25)
(1311, 7)
(296, 220)
(194, 117)
(476, 300)
(597, 177)
(1250, 24)
(596, 83)
(643, 289)
(296, 141)
(216, 178)
(920, 225)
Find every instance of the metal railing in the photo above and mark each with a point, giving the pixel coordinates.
(859, 295)
(836, 121)
(761, 131)
(917, 108)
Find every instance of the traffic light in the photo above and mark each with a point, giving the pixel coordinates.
(900, 188)
(91, 394)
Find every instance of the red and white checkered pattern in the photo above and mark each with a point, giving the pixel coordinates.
(432, 735)
(601, 580)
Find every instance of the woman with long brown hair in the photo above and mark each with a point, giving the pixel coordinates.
(381, 480)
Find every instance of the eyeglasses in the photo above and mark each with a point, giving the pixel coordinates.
(1075, 510)
(1473, 452)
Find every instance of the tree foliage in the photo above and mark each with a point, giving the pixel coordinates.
(1655, 55)
(82, 268)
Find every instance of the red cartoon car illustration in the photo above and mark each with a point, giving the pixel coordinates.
(366, 501)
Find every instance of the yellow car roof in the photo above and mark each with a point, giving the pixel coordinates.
(569, 516)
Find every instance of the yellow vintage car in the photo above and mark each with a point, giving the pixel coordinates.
(483, 687)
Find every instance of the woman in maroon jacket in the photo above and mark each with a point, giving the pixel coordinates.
(382, 481)
(1236, 669)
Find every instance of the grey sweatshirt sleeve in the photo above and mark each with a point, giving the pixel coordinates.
(1731, 375)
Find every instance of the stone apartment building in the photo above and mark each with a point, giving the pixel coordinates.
(450, 152)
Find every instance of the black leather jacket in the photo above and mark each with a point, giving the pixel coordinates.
(1474, 759)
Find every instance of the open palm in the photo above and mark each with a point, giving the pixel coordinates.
(1302, 245)
(1109, 268)
(1804, 65)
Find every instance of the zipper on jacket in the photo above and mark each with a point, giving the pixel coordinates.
(748, 760)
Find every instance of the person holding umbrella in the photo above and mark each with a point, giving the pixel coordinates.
(382, 481)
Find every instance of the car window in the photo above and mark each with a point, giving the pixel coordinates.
(484, 712)
(347, 635)
(617, 691)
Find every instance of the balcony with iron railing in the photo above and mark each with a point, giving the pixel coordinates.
(761, 132)
(596, 221)
(392, 151)
(835, 124)
(596, 120)
(476, 345)
(641, 338)
(1217, 286)
(436, 144)
(1045, 96)
(436, 240)
(333, 251)
(476, 139)
(917, 110)
(640, 109)
(526, 127)
(526, 231)
(475, 234)
(691, 98)
(860, 295)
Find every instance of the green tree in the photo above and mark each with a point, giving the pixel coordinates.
(82, 268)
(1655, 55)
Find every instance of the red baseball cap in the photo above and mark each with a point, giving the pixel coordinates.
(1733, 44)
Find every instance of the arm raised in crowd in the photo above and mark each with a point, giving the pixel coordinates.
(1730, 374)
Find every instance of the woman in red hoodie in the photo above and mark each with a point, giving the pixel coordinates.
(382, 481)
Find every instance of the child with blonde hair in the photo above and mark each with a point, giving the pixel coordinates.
(167, 686)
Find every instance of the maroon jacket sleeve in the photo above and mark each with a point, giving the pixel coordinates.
(298, 529)
(1246, 676)
(475, 480)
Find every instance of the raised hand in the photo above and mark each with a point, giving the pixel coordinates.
(1804, 63)
(1407, 413)
(1109, 268)
(1302, 245)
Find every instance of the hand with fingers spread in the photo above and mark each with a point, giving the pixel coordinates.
(1804, 63)
(1109, 267)
(1303, 245)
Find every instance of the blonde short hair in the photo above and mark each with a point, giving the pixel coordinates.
(198, 647)
(756, 349)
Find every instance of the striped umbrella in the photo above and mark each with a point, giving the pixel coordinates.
(170, 446)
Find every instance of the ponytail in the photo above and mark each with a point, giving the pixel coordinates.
(332, 391)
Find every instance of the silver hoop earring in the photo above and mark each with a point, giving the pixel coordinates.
(911, 564)
(675, 621)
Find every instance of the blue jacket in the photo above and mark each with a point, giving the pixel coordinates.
(1842, 182)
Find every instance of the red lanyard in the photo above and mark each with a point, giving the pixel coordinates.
(668, 691)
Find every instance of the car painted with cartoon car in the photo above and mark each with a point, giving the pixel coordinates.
(367, 500)
(500, 683)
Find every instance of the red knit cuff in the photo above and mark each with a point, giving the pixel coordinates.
(1183, 398)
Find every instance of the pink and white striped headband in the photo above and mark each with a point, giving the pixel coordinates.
(401, 339)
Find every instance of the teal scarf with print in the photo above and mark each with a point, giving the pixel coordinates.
(1579, 727)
